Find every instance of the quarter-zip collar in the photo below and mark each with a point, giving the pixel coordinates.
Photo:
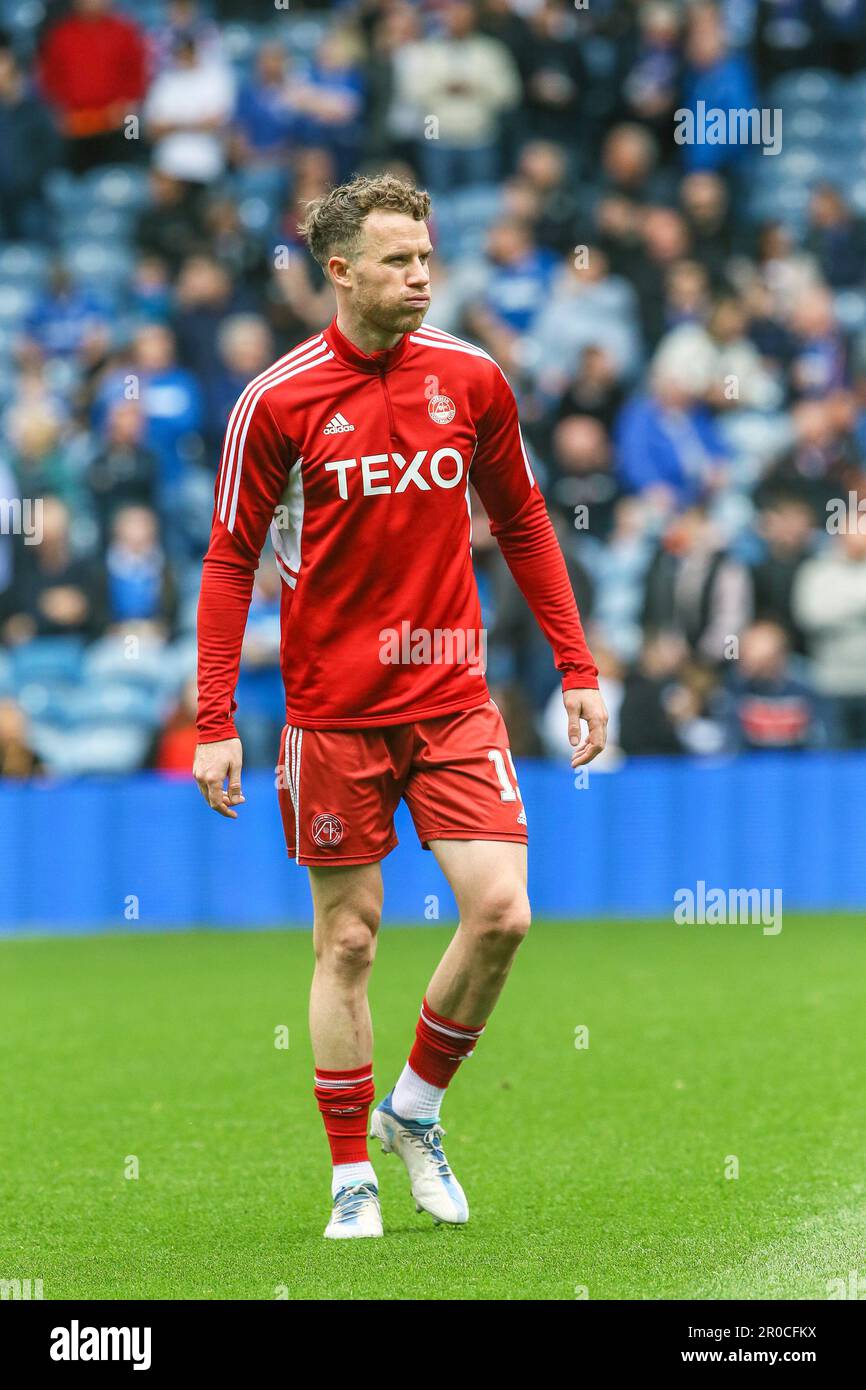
(376, 363)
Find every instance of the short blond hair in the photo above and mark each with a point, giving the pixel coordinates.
(332, 223)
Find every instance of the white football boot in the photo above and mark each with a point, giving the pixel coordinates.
(356, 1213)
(434, 1186)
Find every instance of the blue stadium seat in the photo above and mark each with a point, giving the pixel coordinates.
(16, 301)
(107, 703)
(23, 263)
(240, 42)
(857, 196)
(70, 707)
(793, 166)
(110, 662)
(107, 749)
(807, 87)
(54, 701)
(96, 222)
(302, 34)
(851, 310)
(180, 662)
(809, 124)
(63, 190)
(117, 185)
(92, 263)
(787, 202)
(47, 659)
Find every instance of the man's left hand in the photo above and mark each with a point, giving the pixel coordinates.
(588, 705)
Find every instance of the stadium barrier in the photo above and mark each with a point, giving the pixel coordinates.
(145, 853)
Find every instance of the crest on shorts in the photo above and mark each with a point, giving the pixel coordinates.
(327, 830)
(441, 409)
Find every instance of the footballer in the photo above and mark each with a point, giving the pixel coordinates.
(357, 450)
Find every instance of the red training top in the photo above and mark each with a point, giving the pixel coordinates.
(361, 465)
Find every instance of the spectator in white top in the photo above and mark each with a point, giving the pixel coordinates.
(719, 362)
(465, 82)
(187, 114)
(829, 604)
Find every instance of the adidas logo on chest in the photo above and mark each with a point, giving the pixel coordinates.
(338, 425)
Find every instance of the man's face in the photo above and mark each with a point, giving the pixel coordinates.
(388, 278)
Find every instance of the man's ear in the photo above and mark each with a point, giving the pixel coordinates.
(338, 269)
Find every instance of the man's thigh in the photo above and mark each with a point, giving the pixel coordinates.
(487, 877)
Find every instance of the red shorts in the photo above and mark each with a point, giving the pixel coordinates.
(339, 788)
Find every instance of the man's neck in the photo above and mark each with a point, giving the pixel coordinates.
(365, 337)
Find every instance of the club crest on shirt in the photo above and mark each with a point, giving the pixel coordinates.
(327, 830)
(441, 409)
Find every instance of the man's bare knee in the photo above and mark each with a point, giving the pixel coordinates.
(499, 919)
(345, 936)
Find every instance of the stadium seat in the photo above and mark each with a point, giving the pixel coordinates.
(98, 266)
(47, 659)
(857, 196)
(807, 87)
(95, 222)
(109, 661)
(16, 302)
(111, 748)
(809, 124)
(851, 310)
(119, 186)
(240, 42)
(100, 704)
(795, 165)
(54, 702)
(63, 190)
(23, 263)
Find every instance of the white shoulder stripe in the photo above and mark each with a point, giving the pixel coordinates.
(293, 370)
(444, 346)
(428, 328)
(235, 419)
(239, 414)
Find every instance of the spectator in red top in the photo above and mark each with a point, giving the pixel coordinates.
(93, 69)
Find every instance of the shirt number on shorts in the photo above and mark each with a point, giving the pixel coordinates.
(508, 792)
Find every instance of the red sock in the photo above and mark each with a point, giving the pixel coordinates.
(344, 1099)
(440, 1046)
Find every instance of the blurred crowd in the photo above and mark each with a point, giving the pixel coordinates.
(684, 325)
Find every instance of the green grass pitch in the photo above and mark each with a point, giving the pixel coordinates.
(600, 1169)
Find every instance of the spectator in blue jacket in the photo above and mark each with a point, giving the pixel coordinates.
(667, 440)
(719, 78)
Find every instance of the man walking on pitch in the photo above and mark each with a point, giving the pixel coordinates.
(357, 449)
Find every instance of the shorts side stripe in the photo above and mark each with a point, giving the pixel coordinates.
(299, 738)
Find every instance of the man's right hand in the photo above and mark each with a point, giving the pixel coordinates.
(214, 763)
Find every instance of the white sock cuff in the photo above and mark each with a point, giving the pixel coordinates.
(345, 1174)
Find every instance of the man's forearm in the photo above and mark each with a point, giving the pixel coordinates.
(223, 606)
